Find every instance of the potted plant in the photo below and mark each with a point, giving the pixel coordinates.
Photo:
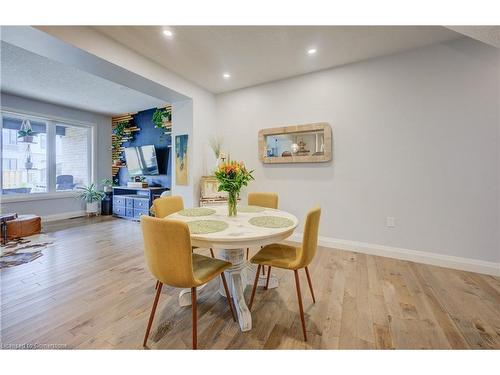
(91, 196)
(107, 185)
(28, 164)
(162, 118)
(26, 135)
(232, 176)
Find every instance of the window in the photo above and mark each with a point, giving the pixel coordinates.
(72, 150)
(9, 136)
(57, 158)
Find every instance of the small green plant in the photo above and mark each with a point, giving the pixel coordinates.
(160, 116)
(107, 182)
(90, 193)
(25, 133)
(119, 129)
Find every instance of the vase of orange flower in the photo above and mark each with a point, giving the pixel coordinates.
(232, 176)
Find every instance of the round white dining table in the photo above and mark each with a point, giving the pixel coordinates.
(230, 244)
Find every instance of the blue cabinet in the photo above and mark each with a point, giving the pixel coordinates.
(129, 203)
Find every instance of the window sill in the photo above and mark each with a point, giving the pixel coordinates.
(37, 196)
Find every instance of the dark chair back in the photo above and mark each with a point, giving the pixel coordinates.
(64, 182)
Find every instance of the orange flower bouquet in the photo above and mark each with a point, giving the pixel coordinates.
(232, 176)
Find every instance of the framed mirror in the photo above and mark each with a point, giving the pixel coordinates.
(308, 143)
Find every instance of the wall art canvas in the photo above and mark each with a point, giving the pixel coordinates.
(181, 159)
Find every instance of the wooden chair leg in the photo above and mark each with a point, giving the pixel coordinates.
(194, 307)
(212, 253)
(152, 315)
(310, 284)
(264, 267)
(157, 283)
(248, 250)
(299, 297)
(268, 276)
(228, 295)
(254, 287)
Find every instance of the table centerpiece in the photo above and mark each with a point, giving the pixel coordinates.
(232, 176)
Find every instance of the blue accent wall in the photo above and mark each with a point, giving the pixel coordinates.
(149, 135)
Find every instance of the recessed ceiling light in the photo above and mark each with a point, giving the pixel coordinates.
(226, 75)
(168, 33)
(311, 51)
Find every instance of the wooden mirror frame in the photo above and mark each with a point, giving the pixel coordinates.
(290, 130)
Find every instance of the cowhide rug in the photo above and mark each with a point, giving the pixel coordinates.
(23, 250)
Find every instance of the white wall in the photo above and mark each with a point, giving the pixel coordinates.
(416, 137)
(61, 206)
(182, 117)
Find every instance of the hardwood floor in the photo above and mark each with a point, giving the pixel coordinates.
(92, 290)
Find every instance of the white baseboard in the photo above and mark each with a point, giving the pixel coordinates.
(465, 264)
(62, 216)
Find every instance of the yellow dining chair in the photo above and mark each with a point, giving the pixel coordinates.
(291, 258)
(164, 206)
(268, 200)
(167, 247)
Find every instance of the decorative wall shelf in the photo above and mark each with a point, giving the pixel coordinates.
(308, 143)
(118, 141)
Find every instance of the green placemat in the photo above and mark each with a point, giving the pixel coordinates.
(245, 208)
(206, 226)
(198, 211)
(271, 222)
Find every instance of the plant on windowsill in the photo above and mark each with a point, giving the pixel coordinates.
(162, 119)
(26, 135)
(91, 196)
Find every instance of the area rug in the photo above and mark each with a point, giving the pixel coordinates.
(24, 250)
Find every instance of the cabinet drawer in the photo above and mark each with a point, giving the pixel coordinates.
(139, 213)
(141, 204)
(129, 202)
(118, 201)
(129, 212)
(118, 210)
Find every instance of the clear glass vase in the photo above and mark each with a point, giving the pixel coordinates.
(231, 203)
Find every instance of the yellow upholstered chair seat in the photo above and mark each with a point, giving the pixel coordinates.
(205, 268)
(167, 249)
(291, 258)
(268, 200)
(277, 255)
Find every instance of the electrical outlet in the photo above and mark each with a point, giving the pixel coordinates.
(390, 222)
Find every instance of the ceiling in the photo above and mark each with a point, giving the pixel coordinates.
(486, 34)
(27, 74)
(258, 54)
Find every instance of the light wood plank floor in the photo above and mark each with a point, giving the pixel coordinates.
(92, 290)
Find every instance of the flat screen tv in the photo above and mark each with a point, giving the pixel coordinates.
(141, 160)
